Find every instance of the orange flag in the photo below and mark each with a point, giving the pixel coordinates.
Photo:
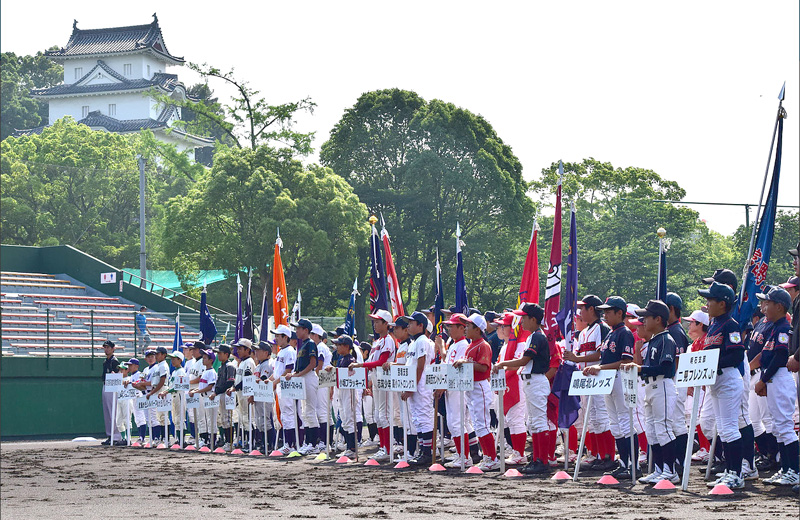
(280, 304)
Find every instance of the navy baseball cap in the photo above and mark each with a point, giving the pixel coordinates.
(418, 317)
(532, 310)
(615, 302)
(344, 339)
(224, 348)
(303, 323)
(777, 295)
(199, 344)
(401, 322)
(149, 352)
(133, 361)
(590, 300)
(161, 350)
(718, 291)
(673, 300)
(108, 343)
(294, 336)
(655, 308)
(725, 276)
(265, 345)
(490, 316)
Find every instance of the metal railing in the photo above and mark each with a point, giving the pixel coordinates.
(162, 291)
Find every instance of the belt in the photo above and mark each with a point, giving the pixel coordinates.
(525, 376)
(654, 378)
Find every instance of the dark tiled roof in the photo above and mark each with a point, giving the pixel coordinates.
(28, 131)
(96, 119)
(162, 80)
(115, 40)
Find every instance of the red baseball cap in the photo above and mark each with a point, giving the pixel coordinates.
(793, 281)
(455, 319)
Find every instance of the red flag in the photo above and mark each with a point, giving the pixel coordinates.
(280, 303)
(391, 276)
(552, 297)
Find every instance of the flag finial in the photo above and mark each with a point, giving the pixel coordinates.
(560, 172)
(458, 230)
(373, 219)
(782, 94)
(661, 232)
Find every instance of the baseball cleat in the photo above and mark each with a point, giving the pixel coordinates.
(789, 478)
(488, 464)
(516, 459)
(652, 478)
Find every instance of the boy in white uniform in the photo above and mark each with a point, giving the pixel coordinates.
(178, 403)
(284, 364)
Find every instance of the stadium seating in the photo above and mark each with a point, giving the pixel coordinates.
(75, 321)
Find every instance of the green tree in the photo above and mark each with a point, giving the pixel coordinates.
(199, 125)
(783, 239)
(229, 220)
(19, 75)
(425, 166)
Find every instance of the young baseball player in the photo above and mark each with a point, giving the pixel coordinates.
(726, 394)
(178, 405)
(110, 366)
(456, 350)
(419, 354)
(513, 401)
(158, 381)
(246, 367)
(344, 347)
(617, 348)
(224, 381)
(698, 327)
(675, 329)
(144, 385)
(534, 362)
(194, 369)
(134, 379)
(205, 387)
(284, 364)
(263, 440)
(304, 367)
(758, 408)
(324, 357)
(778, 386)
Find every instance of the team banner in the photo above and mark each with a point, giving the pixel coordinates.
(697, 368)
(351, 378)
(601, 384)
(436, 377)
(327, 378)
(462, 303)
(377, 279)
(113, 383)
(553, 288)
(404, 378)
(294, 388)
(208, 331)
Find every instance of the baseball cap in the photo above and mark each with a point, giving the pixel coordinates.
(161, 350)
(108, 343)
(177, 354)
(123, 366)
(244, 342)
(429, 327)
(476, 319)
(265, 345)
(632, 307)
(338, 331)
(718, 291)
(794, 251)
(615, 302)
(317, 329)
(793, 281)
(303, 323)
(223, 348)
(490, 316)
(777, 295)
(636, 322)
(149, 352)
(382, 314)
(401, 322)
(590, 300)
(450, 310)
(209, 354)
(418, 317)
(133, 361)
(655, 308)
(294, 336)
(673, 300)
(344, 339)
(455, 319)
(199, 344)
(724, 276)
(698, 316)
(507, 318)
(532, 310)
(142, 308)
(282, 329)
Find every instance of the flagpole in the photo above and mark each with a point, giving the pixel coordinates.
(781, 114)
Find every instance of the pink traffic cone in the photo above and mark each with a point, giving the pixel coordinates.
(512, 473)
(561, 475)
(237, 451)
(721, 489)
(255, 453)
(276, 453)
(189, 447)
(437, 467)
(343, 460)
(204, 449)
(175, 447)
(400, 465)
(664, 484)
(372, 462)
(608, 480)
(475, 470)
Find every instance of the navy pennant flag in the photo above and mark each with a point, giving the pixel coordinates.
(208, 331)
(350, 319)
(438, 304)
(378, 298)
(247, 329)
(237, 334)
(462, 304)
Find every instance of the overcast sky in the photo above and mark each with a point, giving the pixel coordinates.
(685, 88)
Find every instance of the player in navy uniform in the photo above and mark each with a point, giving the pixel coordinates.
(726, 394)
(616, 349)
(778, 385)
(675, 329)
(759, 411)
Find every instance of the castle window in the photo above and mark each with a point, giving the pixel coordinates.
(85, 111)
(78, 73)
(112, 109)
(148, 72)
(126, 69)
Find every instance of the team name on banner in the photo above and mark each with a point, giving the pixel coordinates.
(697, 368)
(165, 404)
(403, 379)
(230, 402)
(192, 401)
(351, 379)
(294, 388)
(436, 377)
(209, 403)
(327, 379)
(248, 385)
(182, 383)
(263, 393)
(460, 379)
(601, 384)
(498, 381)
(143, 403)
(383, 379)
(629, 380)
(127, 394)
(113, 383)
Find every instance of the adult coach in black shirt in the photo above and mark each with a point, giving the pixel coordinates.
(110, 366)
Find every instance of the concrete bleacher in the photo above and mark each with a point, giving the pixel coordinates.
(44, 314)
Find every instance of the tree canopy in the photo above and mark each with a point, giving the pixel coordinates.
(19, 75)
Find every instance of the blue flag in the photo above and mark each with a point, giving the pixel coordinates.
(350, 319)
(757, 266)
(438, 304)
(378, 298)
(208, 331)
(177, 341)
(462, 304)
(247, 329)
(661, 287)
(263, 333)
(568, 405)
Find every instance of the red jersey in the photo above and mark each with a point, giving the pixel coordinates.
(480, 352)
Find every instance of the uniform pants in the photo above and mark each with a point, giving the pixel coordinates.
(659, 407)
(639, 417)
(243, 408)
(679, 426)
(309, 414)
(515, 418)
(759, 410)
(347, 409)
(178, 411)
(368, 405)
(359, 408)
(781, 398)
(124, 409)
(598, 415)
(744, 412)
(536, 390)
(381, 407)
(619, 419)
(480, 399)
(224, 418)
(288, 410)
(140, 416)
(207, 417)
(726, 398)
(707, 419)
(323, 405)
(420, 408)
(452, 404)
(262, 411)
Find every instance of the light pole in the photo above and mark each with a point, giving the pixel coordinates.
(142, 253)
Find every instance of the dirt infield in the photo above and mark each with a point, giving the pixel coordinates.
(85, 480)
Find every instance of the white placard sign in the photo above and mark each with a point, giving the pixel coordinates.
(248, 385)
(113, 383)
(295, 388)
(128, 393)
(383, 379)
(165, 404)
(630, 386)
(498, 381)
(436, 377)
(143, 403)
(697, 368)
(108, 277)
(403, 378)
(460, 379)
(351, 379)
(192, 401)
(209, 403)
(601, 384)
(182, 383)
(230, 401)
(327, 378)
(263, 393)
